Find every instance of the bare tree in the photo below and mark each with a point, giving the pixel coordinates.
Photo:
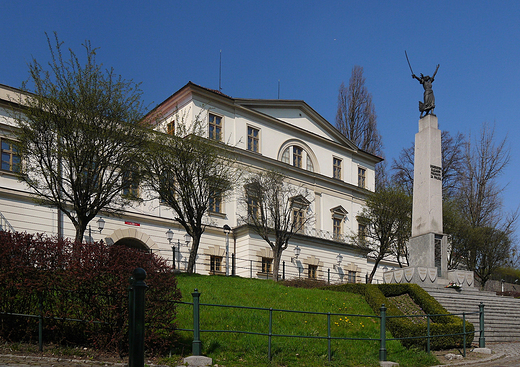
(191, 175)
(78, 135)
(386, 221)
(276, 210)
(479, 193)
(356, 117)
(484, 233)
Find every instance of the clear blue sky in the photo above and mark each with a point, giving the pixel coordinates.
(309, 46)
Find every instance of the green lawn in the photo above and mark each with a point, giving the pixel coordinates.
(234, 349)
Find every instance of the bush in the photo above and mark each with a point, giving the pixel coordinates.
(403, 327)
(61, 279)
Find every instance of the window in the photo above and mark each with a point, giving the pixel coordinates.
(10, 157)
(299, 205)
(215, 127)
(310, 166)
(337, 228)
(298, 219)
(351, 276)
(215, 264)
(336, 168)
(267, 265)
(253, 139)
(130, 185)
(297, 156)
(253, 208)
(362, 231)
(170, 128)
(215, 203)
(286, 156)
(362, 177)
(312, 271)
(339, 215)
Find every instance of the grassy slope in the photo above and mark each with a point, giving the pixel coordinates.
(231, 349)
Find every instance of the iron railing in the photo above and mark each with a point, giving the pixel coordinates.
(197, 316)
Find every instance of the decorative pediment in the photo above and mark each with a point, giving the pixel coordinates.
(339, 212)
(300, 201)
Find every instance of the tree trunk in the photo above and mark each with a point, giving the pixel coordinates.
(277, 255)
(80, 226)
(193, 254)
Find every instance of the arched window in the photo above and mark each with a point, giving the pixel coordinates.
(298, 155)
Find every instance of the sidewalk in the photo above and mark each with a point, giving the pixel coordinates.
(503, 354)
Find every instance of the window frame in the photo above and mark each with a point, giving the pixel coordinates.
(132, 191)
(11, 152)
(297, 156)
(337, 227)
(215, 264)
(362, 177)
(252, 140)
(267, 265)
(170, 127)
(337, 170)
(215, 203)
(218, 128)
(351, 276)
(312, 271)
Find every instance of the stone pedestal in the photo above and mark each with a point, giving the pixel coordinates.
(428, 246)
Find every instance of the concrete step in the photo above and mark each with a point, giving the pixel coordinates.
(501, 314)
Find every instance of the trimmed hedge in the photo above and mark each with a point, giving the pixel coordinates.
(403, 327)
(84, 281)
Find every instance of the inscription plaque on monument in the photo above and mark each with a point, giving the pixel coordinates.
(435, 172)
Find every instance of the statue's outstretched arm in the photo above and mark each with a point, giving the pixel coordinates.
(436, 71)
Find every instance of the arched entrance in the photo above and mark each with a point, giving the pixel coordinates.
(132, 238)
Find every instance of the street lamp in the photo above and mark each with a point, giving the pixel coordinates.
(297, 252)
(101, 224)
(227, 229)
(339, 259)
(169, 236)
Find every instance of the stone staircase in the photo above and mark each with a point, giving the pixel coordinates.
(501, 314)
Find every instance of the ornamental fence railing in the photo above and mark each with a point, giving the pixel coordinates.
(249, 268)
(198, 316)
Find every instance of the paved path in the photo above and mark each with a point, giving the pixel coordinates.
(504, 355)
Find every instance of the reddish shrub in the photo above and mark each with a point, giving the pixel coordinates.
(88, 282)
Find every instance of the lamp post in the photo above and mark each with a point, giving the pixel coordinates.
(169, 236)
(187, 240)
(339, 259)
(297, 252)
(227, 229)
(101, 224)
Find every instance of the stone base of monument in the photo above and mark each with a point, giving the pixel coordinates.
(429, 277)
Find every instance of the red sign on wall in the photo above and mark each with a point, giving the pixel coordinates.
(133, 223)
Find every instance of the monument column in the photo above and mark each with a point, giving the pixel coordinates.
(428, 244)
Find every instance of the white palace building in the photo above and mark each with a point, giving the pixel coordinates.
(282, 135)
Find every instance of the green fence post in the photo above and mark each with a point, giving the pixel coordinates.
(382, 348)
(428, 334)
(283, 272)
(481, 339)
(136, 318)
(328, 336)
(328, 276)
(270, 332)
(464, 333)
(40, 322)
(196, 324)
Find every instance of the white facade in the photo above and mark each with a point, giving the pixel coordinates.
(288, 136)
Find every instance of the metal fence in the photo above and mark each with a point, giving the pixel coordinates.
(248, 268)
(196, 346)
